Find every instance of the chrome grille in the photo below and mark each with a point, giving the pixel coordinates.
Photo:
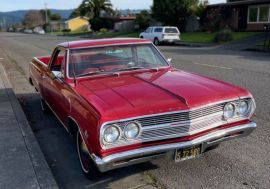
(179, 117)
(173, 125)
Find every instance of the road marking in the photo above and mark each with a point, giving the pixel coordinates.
(1, 58)
(208, 65)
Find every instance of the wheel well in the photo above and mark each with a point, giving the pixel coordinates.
(72, 127)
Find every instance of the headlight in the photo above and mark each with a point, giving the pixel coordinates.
(132, 130)
(243, 107)
(111, 134)
(229, 110)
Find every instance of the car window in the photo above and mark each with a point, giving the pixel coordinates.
(114, 59)
(158, 30)
(171, 30)
(58, 61)
(145, 54)
(148, 30)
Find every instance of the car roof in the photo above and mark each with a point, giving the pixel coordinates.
(102, 42)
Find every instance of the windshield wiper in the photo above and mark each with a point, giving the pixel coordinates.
(131, 68)
(91, 73)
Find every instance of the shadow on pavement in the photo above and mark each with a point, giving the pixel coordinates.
(60, 152)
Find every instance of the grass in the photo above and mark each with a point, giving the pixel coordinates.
(198, 37)
(205, 37)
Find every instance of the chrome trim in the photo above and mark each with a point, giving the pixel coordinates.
(122, 44)
(212, 120)
(40, 62)
(126, 158)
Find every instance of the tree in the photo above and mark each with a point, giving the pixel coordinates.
(93, 8)
(75, 13)
(33, 18)
(143, 19)
(173, 12)
(200, 10)
(56, 17)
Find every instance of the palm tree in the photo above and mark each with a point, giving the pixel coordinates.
(92, 8)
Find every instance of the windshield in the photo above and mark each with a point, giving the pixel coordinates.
(113, 59)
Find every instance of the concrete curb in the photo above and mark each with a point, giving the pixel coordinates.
(42, 171)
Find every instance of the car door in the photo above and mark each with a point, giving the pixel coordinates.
(147, 33)
(152, 34)
(56, 89)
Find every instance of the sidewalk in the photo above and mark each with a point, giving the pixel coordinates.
(22, 164)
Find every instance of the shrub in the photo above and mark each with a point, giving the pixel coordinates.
(66, 30)
(103, 30)
(223, 36)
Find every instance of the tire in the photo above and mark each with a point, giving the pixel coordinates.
(87, 165)
(44, 107)
(156, 41)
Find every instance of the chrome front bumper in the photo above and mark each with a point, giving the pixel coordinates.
(149, 153)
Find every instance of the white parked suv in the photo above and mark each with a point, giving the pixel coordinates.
(161, 34)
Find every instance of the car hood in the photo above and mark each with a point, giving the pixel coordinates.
(132, 95)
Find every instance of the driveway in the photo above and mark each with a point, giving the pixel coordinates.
(241, 163)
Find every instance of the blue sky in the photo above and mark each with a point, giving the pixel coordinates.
(6, 5)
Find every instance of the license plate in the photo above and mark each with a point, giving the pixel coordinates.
(187, 153)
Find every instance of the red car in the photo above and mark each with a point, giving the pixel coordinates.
(126, 104)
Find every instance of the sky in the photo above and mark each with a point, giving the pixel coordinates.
(10, 5)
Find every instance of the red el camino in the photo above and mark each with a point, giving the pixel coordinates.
(124, 103)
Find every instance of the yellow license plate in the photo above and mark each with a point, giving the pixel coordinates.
(187, 153)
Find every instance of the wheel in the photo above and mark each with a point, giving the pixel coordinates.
(44, 107)
(156, 41)
(88, 167)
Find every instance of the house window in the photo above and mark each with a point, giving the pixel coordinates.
(253, 14)
(264, 14)
(257, 14)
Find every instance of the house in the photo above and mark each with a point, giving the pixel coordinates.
(248, 15)
(56, 26)
(125, 23)
(77, 24)
(120, 23)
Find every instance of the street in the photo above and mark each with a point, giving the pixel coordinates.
(243, 163)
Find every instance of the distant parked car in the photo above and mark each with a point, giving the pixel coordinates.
(161, 34)
(39, 30)
(28, 31)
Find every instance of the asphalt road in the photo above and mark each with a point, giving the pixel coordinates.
(243, 163)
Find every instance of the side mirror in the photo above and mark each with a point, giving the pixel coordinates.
(57, 75)
(169, 60)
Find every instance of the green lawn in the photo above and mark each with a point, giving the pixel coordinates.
(204, 37)
(198, 37)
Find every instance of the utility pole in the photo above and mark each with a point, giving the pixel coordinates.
(46, 16)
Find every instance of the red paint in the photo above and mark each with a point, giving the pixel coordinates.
(91, 101)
